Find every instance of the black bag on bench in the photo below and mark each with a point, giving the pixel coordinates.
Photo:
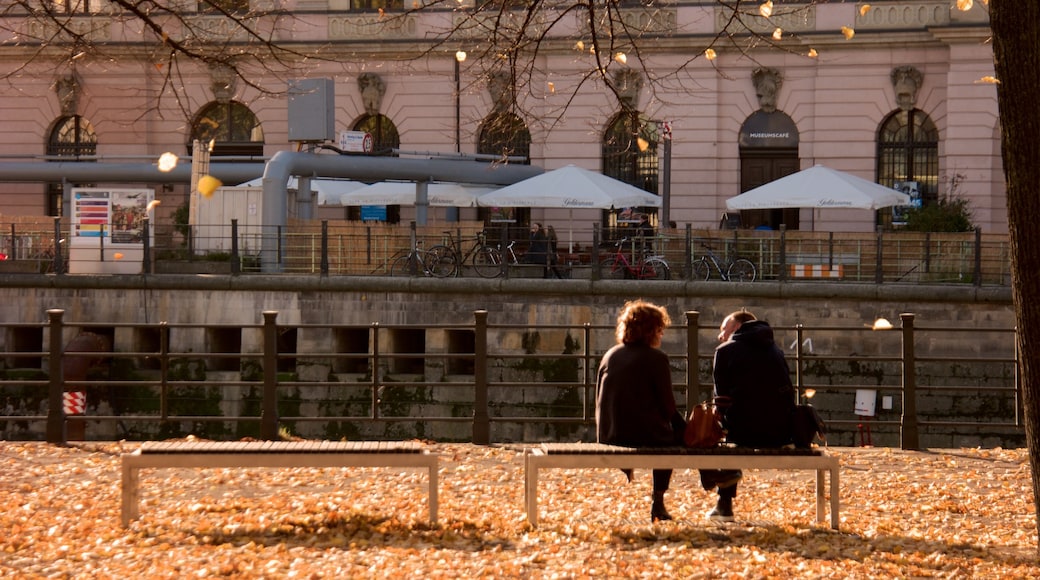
(808, 426)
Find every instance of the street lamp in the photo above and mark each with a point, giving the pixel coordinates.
(665, 127)
(452, 213)
(460, 57)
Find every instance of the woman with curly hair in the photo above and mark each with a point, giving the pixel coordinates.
(635, 405)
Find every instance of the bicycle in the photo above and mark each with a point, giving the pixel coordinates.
(486, 260)
(739, 270)
(618, 267)
(417, 260)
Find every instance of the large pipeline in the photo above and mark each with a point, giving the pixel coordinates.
(276, 173)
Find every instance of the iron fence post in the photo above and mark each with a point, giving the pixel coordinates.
(269, 409)
(693, 360)
(879, 271)
(978, 257)
(595, 252)
(324, 263)
(481, 419)
(55, 407)
(59, 261)
(146, 251)
(908, 436)
(376, 371)
(236, 259)
(782, 256)
(688, 253)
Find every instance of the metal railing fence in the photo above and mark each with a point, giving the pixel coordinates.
(368, 249)
(256, 376)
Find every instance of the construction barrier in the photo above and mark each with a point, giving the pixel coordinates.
(817, 271)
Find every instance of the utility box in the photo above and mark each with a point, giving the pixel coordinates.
(312, 110)
(244, 204)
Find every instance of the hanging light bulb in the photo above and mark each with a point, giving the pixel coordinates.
(167, 161)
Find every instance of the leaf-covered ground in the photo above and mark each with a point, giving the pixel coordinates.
(963, 513)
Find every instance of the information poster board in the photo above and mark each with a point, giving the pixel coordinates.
(107, 230)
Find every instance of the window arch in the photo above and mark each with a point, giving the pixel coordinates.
(231, 126)
(908, 152)
(630, 155)
(504, 134)
(385, 139)
(71, 136)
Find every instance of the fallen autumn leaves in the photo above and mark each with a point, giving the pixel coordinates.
(948, 514)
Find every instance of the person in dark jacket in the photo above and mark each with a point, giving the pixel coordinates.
(538, 248)
(754, 392)
(635, 405)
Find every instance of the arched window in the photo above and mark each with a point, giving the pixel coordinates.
(385, 139)
(231, 126)
(72, 137)
(383, 131)
(630, 155)
(504, 134)
(908, 157)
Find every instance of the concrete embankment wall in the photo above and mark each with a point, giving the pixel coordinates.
(230, 300)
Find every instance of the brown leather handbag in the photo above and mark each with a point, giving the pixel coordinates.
(704, 426)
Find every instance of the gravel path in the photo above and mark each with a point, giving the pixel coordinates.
(961, 513)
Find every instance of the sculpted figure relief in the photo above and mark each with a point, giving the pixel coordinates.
(906, 80)
(628, 84)
(500, 85)
(223, 82)
(767, 83)
(67, 89)
(372, 91)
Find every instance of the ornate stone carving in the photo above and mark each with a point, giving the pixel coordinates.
(372, 90)
(223, 82)
(68, 88)
(906, 80)
(500, 85)
(767, 83)
(628, 83)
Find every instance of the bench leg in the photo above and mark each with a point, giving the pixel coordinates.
(130, 504)
(821, 503)
(531, 490)
(433, 493)
(834, 498)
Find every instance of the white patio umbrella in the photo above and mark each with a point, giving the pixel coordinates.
(328, 190)
(570, 187)
(404, 193)
(819, 187)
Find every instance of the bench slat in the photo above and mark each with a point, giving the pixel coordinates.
(596, 456)
(601, 448)
(272, 454)
(185, 447)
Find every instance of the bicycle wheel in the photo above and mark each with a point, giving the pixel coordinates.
(741, 270)
(441, 262)
(612, 269)
(655, 269)
(402, 266)
(701, 269)
(487, 262)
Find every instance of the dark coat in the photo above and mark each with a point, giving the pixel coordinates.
(538, 250)
(751, 370)
(635, 406)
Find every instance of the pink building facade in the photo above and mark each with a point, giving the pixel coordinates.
(902, 101)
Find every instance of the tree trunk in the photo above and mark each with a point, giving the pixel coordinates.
(1016, 36)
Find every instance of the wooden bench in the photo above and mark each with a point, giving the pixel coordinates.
(595, 455)
(283, 454)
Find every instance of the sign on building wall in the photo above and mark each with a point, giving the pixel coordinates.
(899, 212)
(107, 230)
